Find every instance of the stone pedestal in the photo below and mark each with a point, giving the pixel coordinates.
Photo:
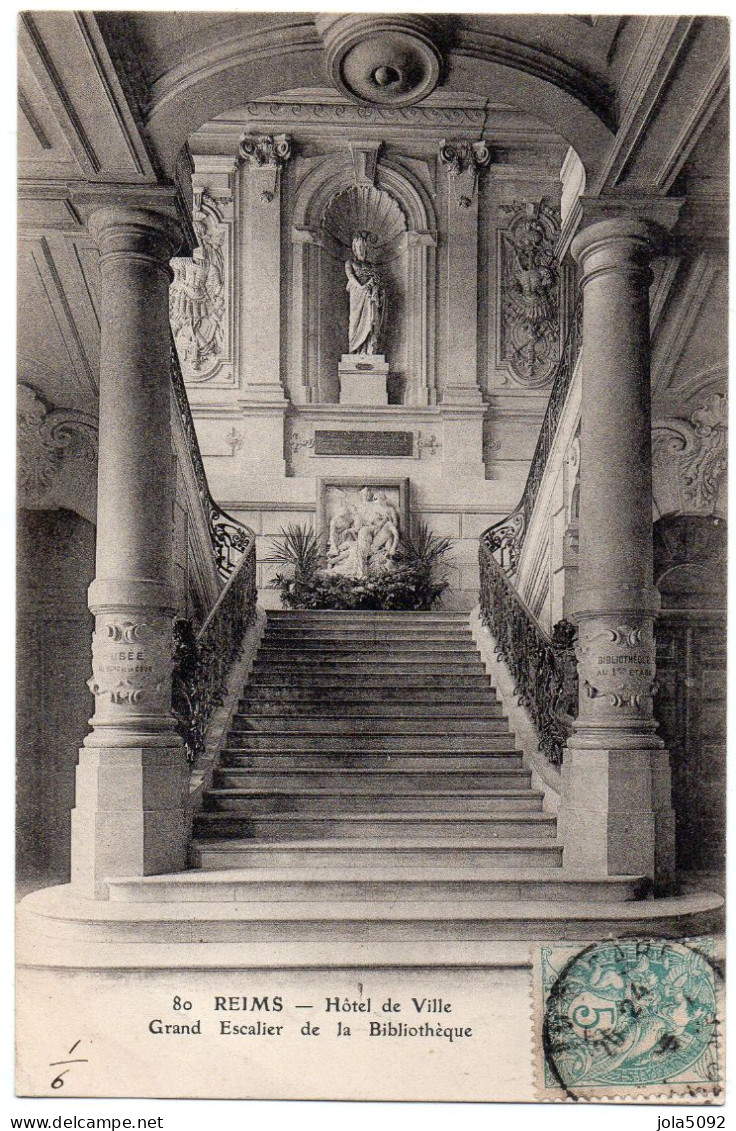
(616, 815)
(130, 815)
(462, 451)
(363, 379)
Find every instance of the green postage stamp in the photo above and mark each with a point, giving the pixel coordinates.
(628, 1019)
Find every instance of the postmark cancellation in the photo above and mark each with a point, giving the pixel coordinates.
(632, 1019)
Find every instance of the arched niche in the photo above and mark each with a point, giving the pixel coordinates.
(401, 219)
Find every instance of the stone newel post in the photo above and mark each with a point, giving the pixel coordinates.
(616, 816)
(131, 780)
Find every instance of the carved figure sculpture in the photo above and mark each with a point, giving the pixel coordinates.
(367, 299)
(363, 539)
(197, 300)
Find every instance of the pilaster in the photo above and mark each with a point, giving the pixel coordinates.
(463, 161)
(263, 158)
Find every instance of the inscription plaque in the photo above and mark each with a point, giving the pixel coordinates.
(333, 443)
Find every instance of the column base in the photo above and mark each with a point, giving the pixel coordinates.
(130, 817)
(615, 816)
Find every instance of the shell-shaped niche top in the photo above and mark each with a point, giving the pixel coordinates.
(366, 209)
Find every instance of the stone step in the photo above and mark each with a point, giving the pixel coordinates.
(395, 782)
(304, 708)
(358, 725)
(374, 633)
(291, 742)
(354, 617)
(386, 665)
(56, 913)
(401, 682)
(377, 884)
(336, 802)
(328, 759)
(378, 660)
(356, 647)
(272, 697)
(416, 827)
(372, 853)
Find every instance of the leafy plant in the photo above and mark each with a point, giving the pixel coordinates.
(424, 550)
(415, 584)
(299, 548)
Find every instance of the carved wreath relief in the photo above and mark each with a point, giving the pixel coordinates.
(617, 664)
(529, 291)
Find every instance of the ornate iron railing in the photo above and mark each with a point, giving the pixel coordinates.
(505, 538)
(202, 662)
(230, 539)
(544, 668)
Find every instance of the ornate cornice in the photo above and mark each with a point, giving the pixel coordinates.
(341, 113)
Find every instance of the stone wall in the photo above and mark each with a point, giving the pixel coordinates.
(56, 565)
(458, 206)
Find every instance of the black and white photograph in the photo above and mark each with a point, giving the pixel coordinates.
(372, 422)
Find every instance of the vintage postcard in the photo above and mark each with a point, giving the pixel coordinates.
(372, 418)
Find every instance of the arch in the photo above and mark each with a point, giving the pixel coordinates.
(223, 78)
(689, 559)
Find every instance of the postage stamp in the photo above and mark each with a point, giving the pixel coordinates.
(628, 1019)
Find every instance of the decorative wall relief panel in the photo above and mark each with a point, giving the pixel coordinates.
(200, 296)
(528, 338)
(361, 522)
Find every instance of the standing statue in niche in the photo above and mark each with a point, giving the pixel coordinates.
(367, 299)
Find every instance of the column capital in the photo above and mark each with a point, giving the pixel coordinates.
(266, 154)
(644, 219)
(130, 232)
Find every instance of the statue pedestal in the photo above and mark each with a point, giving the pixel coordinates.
(363, 379)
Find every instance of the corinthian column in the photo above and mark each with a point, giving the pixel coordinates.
(616, 815)
(131, 780)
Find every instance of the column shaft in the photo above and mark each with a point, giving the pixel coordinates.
(130, 815)
(615, 815)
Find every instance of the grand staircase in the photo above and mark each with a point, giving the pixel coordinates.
(369, 803)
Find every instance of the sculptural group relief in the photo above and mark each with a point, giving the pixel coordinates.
(363, 531)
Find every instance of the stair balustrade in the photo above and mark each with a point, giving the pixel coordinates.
(202, 662)
(230, 539)
(543, 667)
(203, 659)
